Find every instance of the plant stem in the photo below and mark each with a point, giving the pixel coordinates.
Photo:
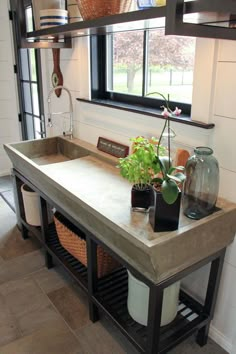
(167, 122)
(159, 141)
(168, 118)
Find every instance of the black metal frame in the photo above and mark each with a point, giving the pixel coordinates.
(98, 67)
(17, 48)
(173, 12)
(175, 25)
(39, 42)
(109, 293)
(139, 109)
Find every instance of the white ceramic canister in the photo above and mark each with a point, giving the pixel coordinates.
(138, 301)
(43, 5)
(31, 206)
(73, 11)
(53, 17)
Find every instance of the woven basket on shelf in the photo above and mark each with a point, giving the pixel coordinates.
(90, 9)
(73, 240)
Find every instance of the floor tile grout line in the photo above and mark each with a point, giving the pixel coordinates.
(15, 320)
(43, 291)
(67, 325)
(71, 330)
(30, 275)
(8, 203)
(21, 276)
(6, 190)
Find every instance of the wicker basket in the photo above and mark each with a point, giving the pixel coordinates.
(74, 241)
(90, 9)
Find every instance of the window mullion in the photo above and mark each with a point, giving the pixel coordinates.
(145, 63)
(110, 63)
(31, 91)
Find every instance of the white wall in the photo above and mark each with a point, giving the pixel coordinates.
(214, 92)
(224, 143)
(75, 68)
(9, 126)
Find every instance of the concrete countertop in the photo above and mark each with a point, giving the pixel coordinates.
(91, 190)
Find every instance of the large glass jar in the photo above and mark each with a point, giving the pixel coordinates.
(202, 184)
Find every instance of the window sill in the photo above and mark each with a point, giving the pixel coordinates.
(184, 119)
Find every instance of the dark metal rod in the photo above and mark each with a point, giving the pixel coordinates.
(154, 319)
(44, 230)
(211, 296)
(20, 207)
(92, 277)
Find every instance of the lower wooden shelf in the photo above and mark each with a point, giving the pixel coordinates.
(111, 297)
(77, 269)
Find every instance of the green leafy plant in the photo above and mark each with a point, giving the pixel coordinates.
(170, 178)
(141, 166)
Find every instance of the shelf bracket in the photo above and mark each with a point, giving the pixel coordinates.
(175, 25)
(44, 43)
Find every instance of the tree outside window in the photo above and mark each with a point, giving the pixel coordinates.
(165, 64)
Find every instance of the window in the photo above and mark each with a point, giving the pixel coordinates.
(32, 116)
(29, 81)
(140, 62)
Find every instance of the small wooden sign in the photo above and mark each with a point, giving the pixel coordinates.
(113, 148)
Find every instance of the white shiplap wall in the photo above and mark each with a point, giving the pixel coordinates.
(9, 126)
(214, 102)
(224, 143)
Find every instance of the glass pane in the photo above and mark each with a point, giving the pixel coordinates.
(126, 56)
(32, 65)
(35, 99)
(30, 126)
(37, 127)
(29, 19)
(171, 65)
(27, 97)
(24, 64)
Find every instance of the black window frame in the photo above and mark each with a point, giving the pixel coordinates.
(98, 60)
(21, 81)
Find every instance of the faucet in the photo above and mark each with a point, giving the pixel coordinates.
(50, 114)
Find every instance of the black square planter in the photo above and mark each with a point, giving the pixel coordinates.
(163, 216)
(141, 198)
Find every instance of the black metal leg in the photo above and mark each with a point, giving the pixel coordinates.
(20, 211)
(44, 230)
(154, 319)
(24, 232)
(92, 277)
(48, 260)
(211, 296)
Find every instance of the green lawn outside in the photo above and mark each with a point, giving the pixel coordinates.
(159, 82)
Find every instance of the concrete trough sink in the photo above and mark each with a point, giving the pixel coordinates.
(50, 150)
(84, 181)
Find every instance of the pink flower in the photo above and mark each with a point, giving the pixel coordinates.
(165, 112)
(177, 111)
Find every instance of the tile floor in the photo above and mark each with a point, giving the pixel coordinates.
(43, 312)
(6, 191)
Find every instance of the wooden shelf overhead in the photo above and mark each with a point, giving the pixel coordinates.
(130, 21)
(199, 18)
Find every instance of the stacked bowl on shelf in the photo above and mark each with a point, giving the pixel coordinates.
(53, 17)
(48, 13)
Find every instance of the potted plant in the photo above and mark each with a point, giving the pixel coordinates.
(163, 216)
(164, 211)
(140, 168)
